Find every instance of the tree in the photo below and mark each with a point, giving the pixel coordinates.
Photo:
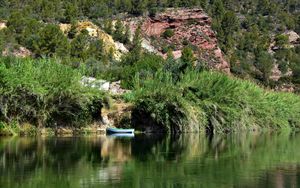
(51, 42)
(127, 34)
(264, 64)
(119, 31)
(218, 9)
(79, 45)
(73, 30)
(108, 26)
(16, 22)
(229, 23)
(281, 41)
(168, 33)
(70, 13)
(136, 51)
(30, 33)
(96, 49)
(187, 55)
(139, 6)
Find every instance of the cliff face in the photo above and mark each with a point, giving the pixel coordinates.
(189, 26)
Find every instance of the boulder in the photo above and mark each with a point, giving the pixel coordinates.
(294, 38)
(121, 47)
(94, 83)
(21, 52)
(2, 24)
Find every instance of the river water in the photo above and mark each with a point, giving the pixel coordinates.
(190, 160)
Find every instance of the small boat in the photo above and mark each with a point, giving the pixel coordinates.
(116, 130)
(121, 135)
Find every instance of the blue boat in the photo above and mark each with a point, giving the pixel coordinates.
(121, 135)
(122, 131)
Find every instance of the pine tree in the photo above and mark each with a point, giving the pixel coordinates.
(108, 26)
(119, 31)
(218, 9)
(96, 49)
(73, 30)
(79, 45)
(127, 34)
(71, 12)
(187, 55)
(51, 42)
(137, 43)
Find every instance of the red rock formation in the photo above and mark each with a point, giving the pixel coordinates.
(190, 25)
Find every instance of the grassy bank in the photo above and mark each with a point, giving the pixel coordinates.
(210, 101)
(44, 93)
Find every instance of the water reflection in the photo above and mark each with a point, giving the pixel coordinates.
(192, 160)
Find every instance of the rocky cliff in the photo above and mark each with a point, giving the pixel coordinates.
(94, 31)
(188, 27)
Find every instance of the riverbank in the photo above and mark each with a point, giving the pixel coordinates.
(46, 97)
(31, 130)
(212, 102)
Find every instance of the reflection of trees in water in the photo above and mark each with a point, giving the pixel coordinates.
(167, 147)
(279, 177)
(22, 158)
(191, 160)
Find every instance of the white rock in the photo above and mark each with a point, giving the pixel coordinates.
(94, 83)
(293, 36)
(121, 47)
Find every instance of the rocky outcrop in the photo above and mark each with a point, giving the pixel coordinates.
(189, 26)
(294, 38)
(94, 31)
(103, 85)
(21, 52)
(2, 24)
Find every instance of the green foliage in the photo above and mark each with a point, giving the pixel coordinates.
(264, 64)
(187, 55)
(281, 41)
(213, 101)
(136, 51)
(168, 33)
(95, 49)
(73, 31)
(70, 12)
(119, 31)
(44, 93)
(79, 45)
(145, 67)
(108, 26)
(51, 42)
(127, 34)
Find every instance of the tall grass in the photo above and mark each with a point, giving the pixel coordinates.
(44, 93)
(211, 101)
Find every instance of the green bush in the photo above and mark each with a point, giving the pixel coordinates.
(168, 33)
(44, 93)
(143, 68)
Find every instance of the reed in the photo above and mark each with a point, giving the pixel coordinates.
(44, 93)
(213, 101)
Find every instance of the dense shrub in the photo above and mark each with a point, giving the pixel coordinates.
(44, 93)
(214, 102)
(168, 33)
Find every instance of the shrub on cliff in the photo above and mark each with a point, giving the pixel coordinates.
(44, 93)
(168, 33)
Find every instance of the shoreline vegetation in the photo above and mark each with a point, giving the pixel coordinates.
(42, 95)
(166, 80)
(212, 102)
